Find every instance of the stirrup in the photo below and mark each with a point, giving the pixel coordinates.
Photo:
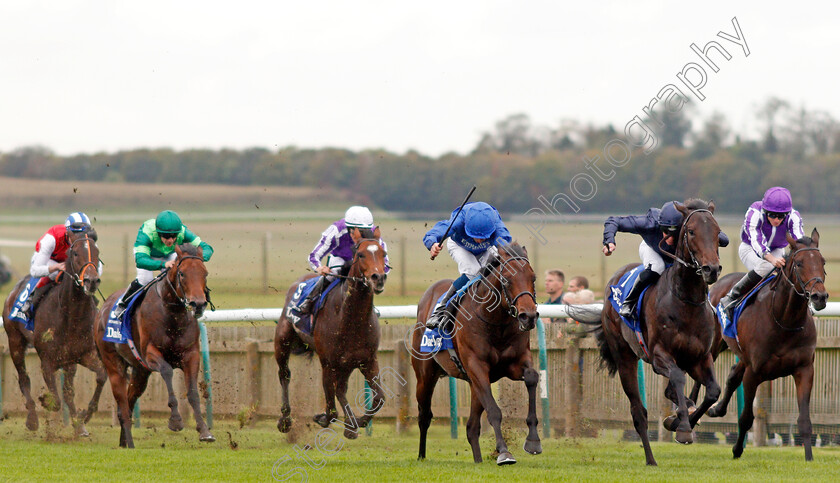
(436, 318)
(119, 310)
(626, 310)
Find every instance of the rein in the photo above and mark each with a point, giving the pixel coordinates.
(78, 278)
(181, 298)
(694, 263)
(509, 300)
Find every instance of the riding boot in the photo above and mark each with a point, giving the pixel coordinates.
(647, 278)
(442, 311)
(306, 304)
(741, 288)
(35, 298)
(132, 289)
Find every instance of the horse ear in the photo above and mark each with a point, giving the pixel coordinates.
(377, 233)
(791, 241)
(712, 206)
(815, 236)
(681, 208)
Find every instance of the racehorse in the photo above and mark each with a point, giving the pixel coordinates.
(345, 337)
(491, 340)
(166, 335)
(678, 325)
(63, 335)
(776, 335)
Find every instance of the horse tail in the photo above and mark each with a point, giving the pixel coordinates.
(607, 359)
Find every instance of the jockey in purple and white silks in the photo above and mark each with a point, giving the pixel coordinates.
(472, 240)
(659, 229)
(337, 243)
(763, 240)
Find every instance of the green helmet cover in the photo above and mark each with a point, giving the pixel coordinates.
(168, 222)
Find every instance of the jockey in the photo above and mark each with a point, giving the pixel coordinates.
(337, 243)
(659, 229)
(473, 237)
(762, 242)
(50, 255)
(154, 249)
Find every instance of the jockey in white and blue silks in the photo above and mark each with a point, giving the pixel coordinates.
(763, 240)
(337, 243)
(659, 229)
(473, 237)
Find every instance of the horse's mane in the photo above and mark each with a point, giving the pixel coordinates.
(696, 204)
(514, 249)
(189, 249)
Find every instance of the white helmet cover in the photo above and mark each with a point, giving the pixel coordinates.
(358, 217)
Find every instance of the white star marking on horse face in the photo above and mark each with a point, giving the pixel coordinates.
(373, 248)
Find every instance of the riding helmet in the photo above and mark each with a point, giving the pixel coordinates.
(481, 220)
(168, 222)
(358, 217)
(777, 200)
(669, 216)
(77, 222)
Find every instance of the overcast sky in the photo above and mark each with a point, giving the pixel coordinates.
(85, 76)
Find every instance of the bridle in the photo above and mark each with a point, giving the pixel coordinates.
(178, 276)
(78, 277)
(509, 300)
(694, 263)
(805, 293)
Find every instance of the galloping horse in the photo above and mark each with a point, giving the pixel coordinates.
(63, 331)
(345, 337)
(677, 328)
(166, 337)
(776, 335)
(491, 340)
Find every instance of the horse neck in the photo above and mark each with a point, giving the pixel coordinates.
(357, 299)
(787, 304)
(171, 301)
(487, 295)
(73, 302)
(686, 283)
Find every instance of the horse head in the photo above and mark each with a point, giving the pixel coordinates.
(369, 263)
(517, 278)
(698, 238)
(805, 268)
(188, 278)
(83, 260)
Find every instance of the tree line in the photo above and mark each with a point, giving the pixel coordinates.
(513, 164)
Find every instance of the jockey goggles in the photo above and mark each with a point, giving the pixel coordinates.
(670, 230)
(777, 215)
(167, 235)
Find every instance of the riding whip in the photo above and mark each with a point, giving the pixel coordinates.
(446, 233)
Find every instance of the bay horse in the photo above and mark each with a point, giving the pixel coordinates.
(166, 335)
(776, 335)
(345, 337)
(492, 341)
(63, 334)
(678, 325)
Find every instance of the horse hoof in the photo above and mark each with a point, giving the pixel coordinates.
(737, 451)
(322, 420)
(350, 434)
(208, 438)
(684, 437)
(284, 425)
(670, 423)
(532, 447)
(32, 422)
(505, 459)
(82, 432)
(176, 425)
(716, 411)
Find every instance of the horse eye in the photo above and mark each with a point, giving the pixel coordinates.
(691, 232)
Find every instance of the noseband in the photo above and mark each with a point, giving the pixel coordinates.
(78, 278)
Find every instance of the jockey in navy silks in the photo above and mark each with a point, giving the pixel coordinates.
(473, 237)
(337, 244)
(659, 229)
(763, 240)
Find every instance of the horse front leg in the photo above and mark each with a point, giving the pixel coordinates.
(704, 373)
(156, 362)
(49, 401)
(17, 350)
(282, 351)
(474, 427)
(377, 400)
(328, 380)
(191, 371)
(91, 361)
(675, 391)
(733, 380)
(351, 424)
(803, 378)
(532, 441)
(427, 378)
(478, 372)
(628, 374)
(69, 394)
(745, 422)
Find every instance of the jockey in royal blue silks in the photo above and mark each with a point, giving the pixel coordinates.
(763, 240)
(337, 244)
(659, 229)
(473, 237)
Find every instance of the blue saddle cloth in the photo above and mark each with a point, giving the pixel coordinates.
(16, 313)
(434, 341)
(618, 294)
(117, 330)
(730, 326)
(305, 322)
